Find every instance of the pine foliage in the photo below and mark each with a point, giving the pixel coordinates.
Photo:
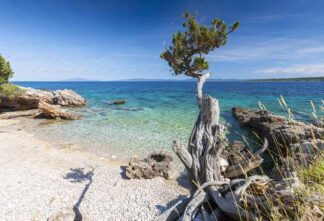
(5, 71)
(188, 50)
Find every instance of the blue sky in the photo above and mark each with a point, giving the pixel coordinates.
(112, 40)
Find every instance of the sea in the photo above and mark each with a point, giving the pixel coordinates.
(158, 112)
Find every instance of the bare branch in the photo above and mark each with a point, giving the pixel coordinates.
(174, 212)
(193, 206)
(183, 154)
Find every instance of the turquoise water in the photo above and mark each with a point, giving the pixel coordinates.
(159, 112)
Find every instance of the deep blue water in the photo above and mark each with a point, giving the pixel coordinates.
(159, 112)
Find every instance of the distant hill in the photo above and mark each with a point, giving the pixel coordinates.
(144, 79)
(187, 79)
(292, 79)
(79, 79)
(215, 79)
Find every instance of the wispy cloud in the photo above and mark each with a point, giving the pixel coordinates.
(272, 17)
(311, 50)
(309, 69)
(284, 48)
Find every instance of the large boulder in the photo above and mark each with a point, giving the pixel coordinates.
(139, 168)
(32, 97)
(158, 163)
(68, 98)
(280, 132)
(40, 95)
(56, 112)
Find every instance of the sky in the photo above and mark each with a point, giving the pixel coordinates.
(51, 40)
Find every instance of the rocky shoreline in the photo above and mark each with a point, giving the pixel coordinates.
(291, 142)
(279, 131)
(53, 181)
(48, 104)
(281, 137)
(32, 97)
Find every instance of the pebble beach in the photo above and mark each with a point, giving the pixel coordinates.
(56, 181)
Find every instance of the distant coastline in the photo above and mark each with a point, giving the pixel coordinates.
(79, 79)
(174, 79)
(189, 79)
(290, 79)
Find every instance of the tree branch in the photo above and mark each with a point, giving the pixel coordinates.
(183, 154)
(174, 212)
(193, 206)
(246, 165)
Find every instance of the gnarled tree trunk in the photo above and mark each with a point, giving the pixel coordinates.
(203, 161)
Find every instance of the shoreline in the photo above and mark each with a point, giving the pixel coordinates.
(39, 129)
(43, 180)
(35, 127)
(115, 153)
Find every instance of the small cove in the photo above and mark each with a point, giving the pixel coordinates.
(159, 112)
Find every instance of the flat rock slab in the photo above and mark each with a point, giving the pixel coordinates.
(15, 114)
(56, 112)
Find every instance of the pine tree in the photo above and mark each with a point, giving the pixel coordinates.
(5, 71)
(187, 54)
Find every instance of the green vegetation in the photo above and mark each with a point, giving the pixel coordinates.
(10, 90)
(314, 174)
(5, 71)
(292, 79)
(296, 193)
(186, 56)
(308, 192)
(6, 88)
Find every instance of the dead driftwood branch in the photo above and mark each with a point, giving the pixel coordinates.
(247, 164)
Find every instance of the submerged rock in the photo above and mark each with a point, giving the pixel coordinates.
(158, 163)
(128, 109)
(134, 109)
(280, 132)
(56, 112)
(119, 101)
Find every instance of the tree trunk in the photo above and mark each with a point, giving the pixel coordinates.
(203, 158)
(200, 84)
